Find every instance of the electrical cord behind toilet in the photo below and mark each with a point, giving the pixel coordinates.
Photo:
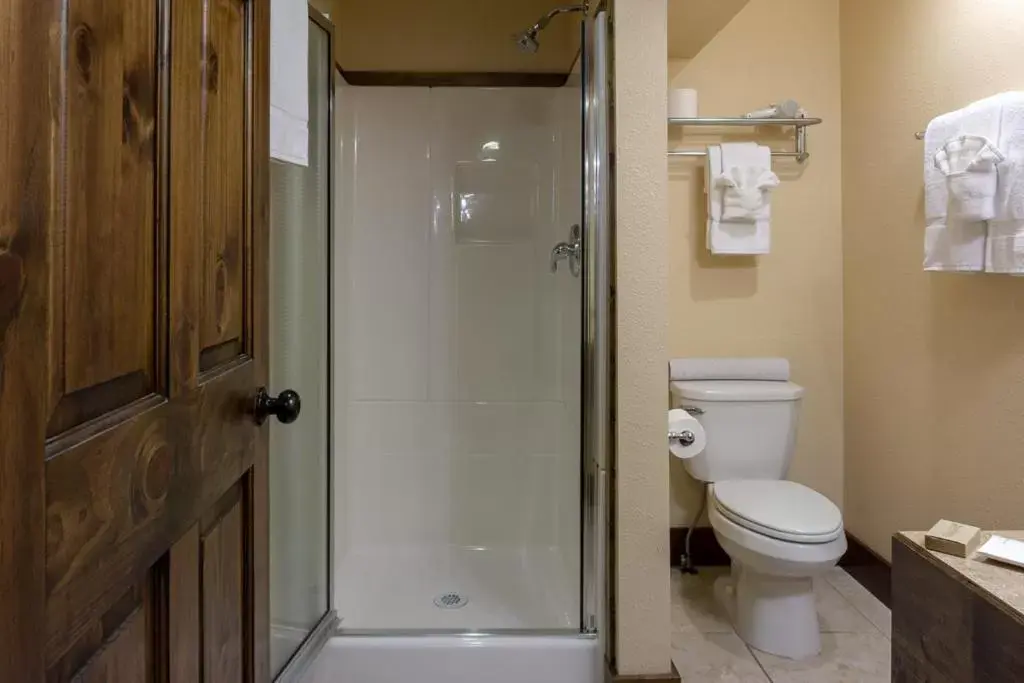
(687, 559)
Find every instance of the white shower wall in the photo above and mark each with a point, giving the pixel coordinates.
(457, 357)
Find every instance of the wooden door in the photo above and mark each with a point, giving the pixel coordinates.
(133, 339)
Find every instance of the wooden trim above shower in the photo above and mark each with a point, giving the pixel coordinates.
(444, 79)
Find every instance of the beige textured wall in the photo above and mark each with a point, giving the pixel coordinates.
(693, 23)
(642, 594)
(447, 35)
(787, 303)
(934, 362)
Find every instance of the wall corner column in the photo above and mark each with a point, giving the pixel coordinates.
(643, 600)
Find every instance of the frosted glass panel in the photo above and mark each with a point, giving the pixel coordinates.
(299, 247)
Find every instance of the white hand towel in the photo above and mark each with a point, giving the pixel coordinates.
(951, 244)
(735, 237)
(1004, 249)
(289, 84)
(969, 164)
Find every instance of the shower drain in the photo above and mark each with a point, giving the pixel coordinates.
(451, 600)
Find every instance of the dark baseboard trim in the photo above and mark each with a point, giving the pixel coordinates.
(703, 546)
(869, 569)
(612, 677)
(455, 80)
(860, 561)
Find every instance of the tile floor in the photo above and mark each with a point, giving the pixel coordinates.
(855, 636)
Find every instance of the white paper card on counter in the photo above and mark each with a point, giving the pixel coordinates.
(1002, 549)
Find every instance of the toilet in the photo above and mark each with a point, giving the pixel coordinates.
(778, 533)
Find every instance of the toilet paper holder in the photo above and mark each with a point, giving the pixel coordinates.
(686, 437)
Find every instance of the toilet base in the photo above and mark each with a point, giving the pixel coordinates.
(775, 614)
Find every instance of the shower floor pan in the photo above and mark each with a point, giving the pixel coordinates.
(458, 659)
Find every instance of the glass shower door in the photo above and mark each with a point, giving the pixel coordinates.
(300, 469)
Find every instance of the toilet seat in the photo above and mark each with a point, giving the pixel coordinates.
(783, 510)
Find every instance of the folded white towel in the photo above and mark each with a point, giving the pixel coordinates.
(969, 164)
(686, 369)
(953, 244)
(1004, 249)
(1010, 197)
(736, 237)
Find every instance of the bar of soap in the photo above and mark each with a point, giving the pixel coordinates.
(952, 538)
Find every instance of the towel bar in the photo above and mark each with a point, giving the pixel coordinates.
(800, 125)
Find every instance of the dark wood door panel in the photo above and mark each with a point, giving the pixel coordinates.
(104, 245)
(116, 502)
(125, 658)
(224, 561)
(113, 643)
(211, 102)
(133, 257)
(211, 620)
(184, 611)
(224, 215)
(187, 68)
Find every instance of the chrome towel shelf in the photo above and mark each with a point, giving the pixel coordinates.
(799, 126)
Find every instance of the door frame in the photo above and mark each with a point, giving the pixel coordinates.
(303, 658)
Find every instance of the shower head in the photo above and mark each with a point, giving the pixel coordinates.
(527, 40)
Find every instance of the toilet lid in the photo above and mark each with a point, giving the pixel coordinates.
(784, 510)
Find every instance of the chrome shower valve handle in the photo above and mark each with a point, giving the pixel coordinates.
(571, 251)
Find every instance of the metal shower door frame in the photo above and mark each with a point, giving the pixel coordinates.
(598, 370)
(303, 658)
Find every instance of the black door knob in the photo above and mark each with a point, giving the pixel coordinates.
(285, 407)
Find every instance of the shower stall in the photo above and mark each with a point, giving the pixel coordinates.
(458, 472)
(469, 410)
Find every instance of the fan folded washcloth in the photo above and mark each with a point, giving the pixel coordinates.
(951, 243)
(749, 235)
(745, 192)
(969, 164)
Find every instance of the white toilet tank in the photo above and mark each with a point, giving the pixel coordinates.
(750, 425)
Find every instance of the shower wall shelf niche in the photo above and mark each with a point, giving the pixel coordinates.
(799, 126)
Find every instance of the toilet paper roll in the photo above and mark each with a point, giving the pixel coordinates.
(682, 103)
(681, 421)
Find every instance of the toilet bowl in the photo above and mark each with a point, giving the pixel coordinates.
(779, 535)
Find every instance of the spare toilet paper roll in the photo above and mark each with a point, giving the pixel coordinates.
(680, 421)
(682, 104)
